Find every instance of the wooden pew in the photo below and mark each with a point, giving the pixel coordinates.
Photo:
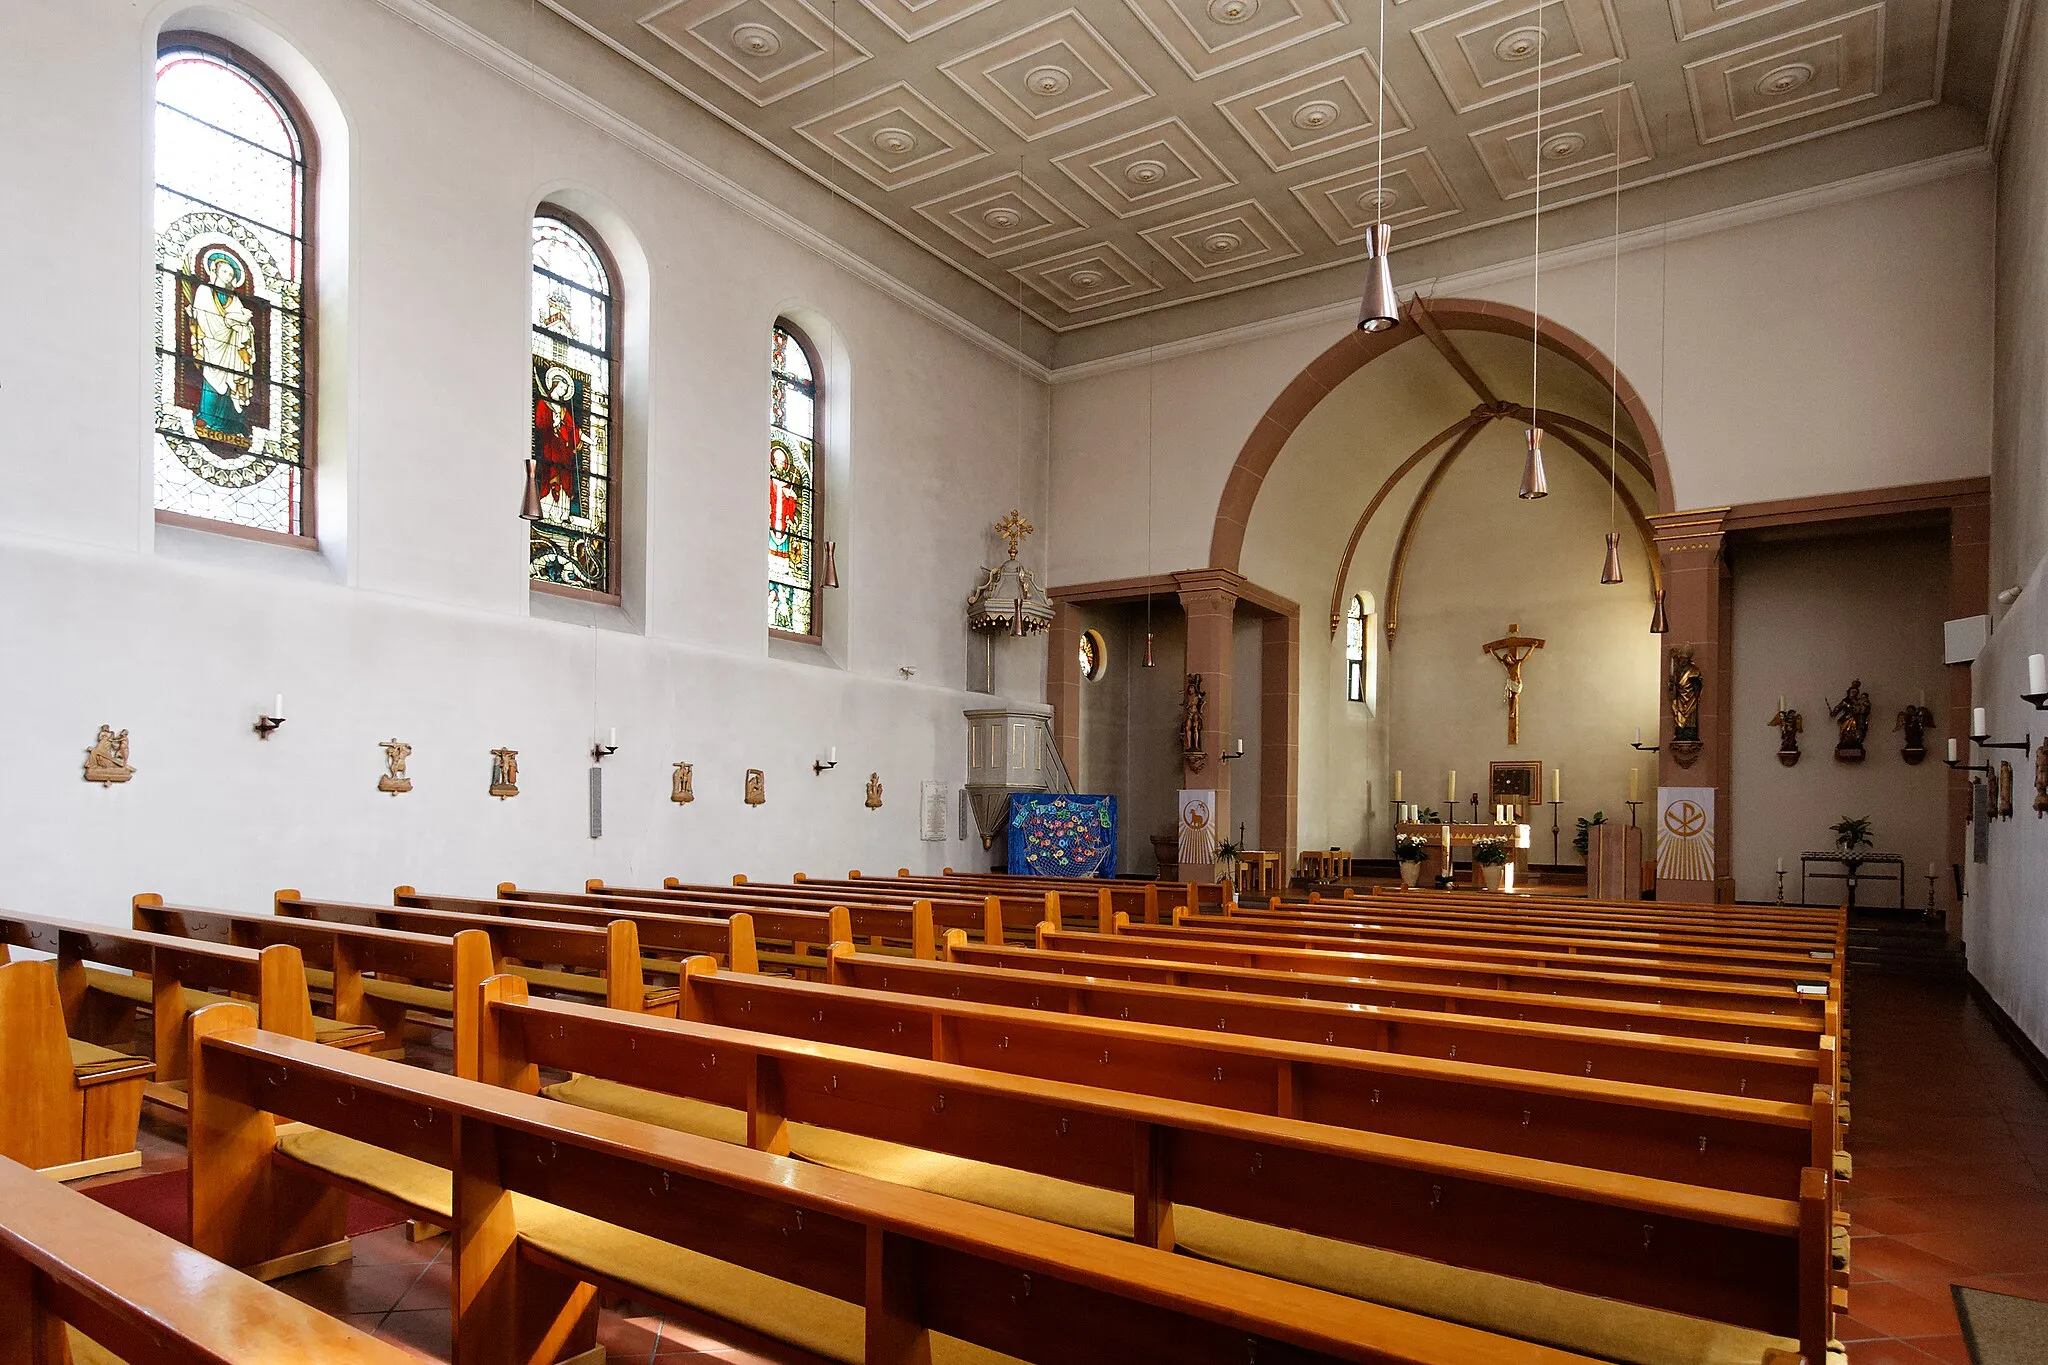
(1761, 1071)
(602, 962)
(731, 938)
(1021, 915)
(1220, 1183)
(1557, 915)
(70, 1109)
(82, 1283)
(1138, 899)
(1166, 944)
(1784, 1030)
(891, 925)
(374, 976)
(171, 977)
(1198, 894)
(1790, 918)
(547, 1204)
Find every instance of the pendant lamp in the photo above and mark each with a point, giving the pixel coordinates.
(1659, 625)
(529, 506)
(1380, 309)
(831, 564)
(1610, 572)
(1148, 650)
(1534, 484)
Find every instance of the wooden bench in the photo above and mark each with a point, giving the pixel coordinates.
(1681, 912)
(604, 962)
(82, 1283)
(1729, 1025)
(1474, 909)
(1229, 1186)
(1019, 915)
(547, 1204)
(1163, 943)
(728, 938)
(1134, 898)
(375, 977)
(1185, 893)
(71, 1109)
(170, 977)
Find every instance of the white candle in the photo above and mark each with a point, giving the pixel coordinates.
(1781, 703)
(2037, 674)
(1451, 787)
(1781, 864)
(277, 708)
(614, 740)
(1635, 784)
(1397, 785)
(1639, 734)
(1930, 866)
(1951, 750)
(1557, 784)
(832, 754)
(1979, 727)
(1240, 746)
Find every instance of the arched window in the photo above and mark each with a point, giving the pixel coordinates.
(234, 176)
(793, 408)
(574, 364)
(1354, 650)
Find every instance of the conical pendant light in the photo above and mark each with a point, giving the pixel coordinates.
(1148, 645)
(1610, 572)
(1659, 625)
(529, 506)
(831, 564)
(1534, 485)
(1380, 309)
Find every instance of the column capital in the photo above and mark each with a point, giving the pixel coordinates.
(1209, 587)
(1694, 532)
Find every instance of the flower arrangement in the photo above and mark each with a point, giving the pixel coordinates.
(1852, 833)
(1410, 848)
(1489, 852)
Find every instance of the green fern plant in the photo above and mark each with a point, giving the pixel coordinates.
(1583, 840)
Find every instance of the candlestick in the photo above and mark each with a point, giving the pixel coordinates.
(1557, 784)
(1781, 867)
(1635, 784)
(1980, 728)
(1451, 788)
(1397, 784)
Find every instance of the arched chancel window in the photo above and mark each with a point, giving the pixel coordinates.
(234, 294)
(574, 364)
(792, 484)
(1354, 650)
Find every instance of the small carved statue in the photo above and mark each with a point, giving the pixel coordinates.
(1916, 721)
(106, 762)
(504, 773)
(679, 790)
(874, 791)
(2041, 779)
(1789, 723)
(1852, 719)
(394, 780)
(1192, 701)
(1686, 686)
(757, 787)
(2004, 790)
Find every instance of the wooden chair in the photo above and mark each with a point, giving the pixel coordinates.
(68, 1109)
(84, 1284)
(547, 1204)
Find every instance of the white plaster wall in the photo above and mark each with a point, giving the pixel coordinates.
(1810, 615)
(1130, 725)
(1837, 347)
(418, 622)
(2005, 919)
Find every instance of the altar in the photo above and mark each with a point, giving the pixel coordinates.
(1443, 841)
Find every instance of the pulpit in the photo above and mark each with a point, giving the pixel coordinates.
(1614, 862)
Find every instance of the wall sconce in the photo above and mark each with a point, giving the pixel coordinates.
(1641, 747)
(827, 763)
(599, 752)
(265, 724)
(1962, 767)
(1238, 752)
(2036, 694)
(1980, 735)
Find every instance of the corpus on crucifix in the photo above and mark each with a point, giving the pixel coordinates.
(1513, 650)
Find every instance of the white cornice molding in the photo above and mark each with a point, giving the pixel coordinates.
(502, 60)
(1344, 312)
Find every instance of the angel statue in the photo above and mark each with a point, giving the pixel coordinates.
(1789, 723)
(1852, 718)
(1916, 721)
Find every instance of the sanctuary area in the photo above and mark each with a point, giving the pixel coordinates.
(1388, 707)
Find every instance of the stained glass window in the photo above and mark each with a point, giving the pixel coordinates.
(1354, 650)
(231, 266)
(792, 484)
(1094, 655)
(572, 367)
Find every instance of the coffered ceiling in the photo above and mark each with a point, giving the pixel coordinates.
(1105, 159)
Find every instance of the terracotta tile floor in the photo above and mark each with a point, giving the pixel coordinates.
(1951, 1186)
(1950, 1141)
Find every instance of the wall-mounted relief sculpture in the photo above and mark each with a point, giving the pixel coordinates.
(1852, 723)
(1193, 699)
(679, 788)
(2004, 790)
(757, 787)
(394, 780)
(106, 762)
(2041, 780)
(1685, 687)
(504, 773)
(1789, 723)
(874, 791)
(1916, 721)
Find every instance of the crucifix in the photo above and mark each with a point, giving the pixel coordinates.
(1513, 650)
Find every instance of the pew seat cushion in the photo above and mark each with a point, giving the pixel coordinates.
(432, 999)
(1583, 1323)
(804, 1318)
(89, 1061)
(86, 1351)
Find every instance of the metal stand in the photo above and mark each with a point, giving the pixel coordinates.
(1632, 812)
(1930, 894)
(1781, 886)
(1554, 805)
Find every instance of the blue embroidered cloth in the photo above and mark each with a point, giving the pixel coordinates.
(1062, 835)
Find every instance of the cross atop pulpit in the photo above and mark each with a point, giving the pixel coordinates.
(1513, 650)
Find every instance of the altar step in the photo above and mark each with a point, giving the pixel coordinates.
(1905, 947)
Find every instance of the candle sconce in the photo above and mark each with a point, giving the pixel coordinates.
(2036, 694)
(1959, 766)
(2023, 745)
(2037, 700)
(1236, 753)
(820, 767)
(600, 752)
(265, 724)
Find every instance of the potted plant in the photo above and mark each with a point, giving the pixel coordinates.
(1226, 859)
(1490, 856)
(1411, 851)
(1852, 834)
(1583, 840)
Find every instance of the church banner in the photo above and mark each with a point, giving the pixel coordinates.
(1061, 835)
(1685, 833)
(1197, 828)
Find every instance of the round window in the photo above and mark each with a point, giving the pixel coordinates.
(1094, 655)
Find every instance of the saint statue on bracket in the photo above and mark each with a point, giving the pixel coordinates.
(1852, 719)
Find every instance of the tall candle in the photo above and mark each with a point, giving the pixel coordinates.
(277, 707)
(1781, 703)
(1397, 786)
(1557, 784)
(1635, 784)
(1951, 750)
(1639, 734)
(614, 740)
(1979, 727)
(1451, 788)
(1781, 865)
(2037, 674)
(1930, 866)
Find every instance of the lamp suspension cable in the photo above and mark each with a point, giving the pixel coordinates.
(1379, 310)
(1017, 618)
(1610, 569)
(1534, 483)
(1149, 357)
